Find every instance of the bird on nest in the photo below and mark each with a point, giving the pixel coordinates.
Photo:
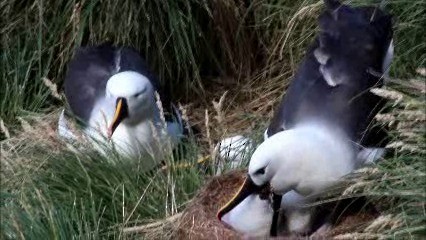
(320, 131)
(112, 92)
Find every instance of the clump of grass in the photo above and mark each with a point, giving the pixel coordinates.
(64, 194)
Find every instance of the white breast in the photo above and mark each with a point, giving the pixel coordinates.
(146, 139)
(252, 217)
(137, 140)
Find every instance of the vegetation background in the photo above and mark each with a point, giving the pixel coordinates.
(228, 63)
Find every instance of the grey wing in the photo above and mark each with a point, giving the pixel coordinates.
(86, 78)
(293, 105)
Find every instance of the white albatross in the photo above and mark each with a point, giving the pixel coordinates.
(319, 132)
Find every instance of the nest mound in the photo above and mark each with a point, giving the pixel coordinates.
(198, 220)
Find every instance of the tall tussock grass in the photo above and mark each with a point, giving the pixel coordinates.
(181, 40)
(187, 43)
(396, 185)
(50, 189)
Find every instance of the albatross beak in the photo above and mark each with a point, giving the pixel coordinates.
(248, 188)
(121, 112)
(245, 190)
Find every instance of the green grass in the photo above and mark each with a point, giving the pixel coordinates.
(86, 195)
(51, 192)
(184, 42)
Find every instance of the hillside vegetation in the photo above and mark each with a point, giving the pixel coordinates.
(200, 50)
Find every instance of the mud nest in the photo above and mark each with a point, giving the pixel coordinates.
(199, 221)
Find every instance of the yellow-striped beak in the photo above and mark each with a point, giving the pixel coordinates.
(246, 189)
(121, 112)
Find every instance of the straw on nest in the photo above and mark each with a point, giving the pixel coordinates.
(198, 220)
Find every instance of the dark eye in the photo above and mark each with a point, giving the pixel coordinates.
(260, 171)
(137, 95)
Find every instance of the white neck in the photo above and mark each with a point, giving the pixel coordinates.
(307, 159)
(130, 138)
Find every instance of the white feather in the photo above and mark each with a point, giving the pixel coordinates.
(252, 217)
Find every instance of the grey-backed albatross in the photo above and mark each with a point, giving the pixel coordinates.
(112, 92)
(318, 133)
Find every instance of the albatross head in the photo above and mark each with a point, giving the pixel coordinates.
(307, 159)
(134, 99)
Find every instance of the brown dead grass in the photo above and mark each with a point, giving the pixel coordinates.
(199, 220)
(39, 131)
(245, 107)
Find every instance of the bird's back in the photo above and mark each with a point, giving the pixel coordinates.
(333, 81)
(89, 71)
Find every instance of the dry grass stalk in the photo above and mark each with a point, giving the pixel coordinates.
(403, 146)
(354, 187)
(309, 10)
(388, 94)
(385, 118)
(419, 85)
(75, 17)
(367, 171)
(356, 235)
(218, 107)
(208, 135)
(154, 226)
(52, 87)
(421, 71)
(382, 222)
(161, 110)
(184, 114)
(25, 125)
(4, 129)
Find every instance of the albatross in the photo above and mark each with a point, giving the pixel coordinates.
(319, 131)
(112, 92)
